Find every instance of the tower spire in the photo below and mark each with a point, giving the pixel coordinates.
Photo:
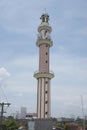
(45, 10)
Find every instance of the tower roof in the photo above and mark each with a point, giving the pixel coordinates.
(45, 17)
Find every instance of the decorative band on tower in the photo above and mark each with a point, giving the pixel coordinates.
(44, 75)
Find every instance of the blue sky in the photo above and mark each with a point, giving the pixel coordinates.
(19, 21)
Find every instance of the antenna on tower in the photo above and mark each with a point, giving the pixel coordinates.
(45, 10)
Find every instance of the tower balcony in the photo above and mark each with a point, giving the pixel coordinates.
(44, 26)
(39, 74)
(40, 41)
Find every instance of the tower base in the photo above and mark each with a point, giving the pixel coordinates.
(40, 124)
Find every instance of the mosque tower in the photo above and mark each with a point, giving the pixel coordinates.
(44, 75)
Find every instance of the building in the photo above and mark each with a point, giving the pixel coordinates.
(23, 112)
(31, 116)
(44, 75)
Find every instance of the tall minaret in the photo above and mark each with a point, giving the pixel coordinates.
(44, 75)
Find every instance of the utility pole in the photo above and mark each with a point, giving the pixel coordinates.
(2, 111)
(83, 112)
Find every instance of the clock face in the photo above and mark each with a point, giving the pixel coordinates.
(44, 34)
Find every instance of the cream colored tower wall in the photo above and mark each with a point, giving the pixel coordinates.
(43, 98)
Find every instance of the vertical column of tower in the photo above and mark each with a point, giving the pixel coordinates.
(44, 75)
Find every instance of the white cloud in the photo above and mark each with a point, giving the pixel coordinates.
(23, 68)
(4, 73)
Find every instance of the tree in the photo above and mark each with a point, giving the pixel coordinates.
(10, 124)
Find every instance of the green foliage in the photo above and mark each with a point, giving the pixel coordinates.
(79, 121)
(67, 127)
(10, 124)
(56, 124)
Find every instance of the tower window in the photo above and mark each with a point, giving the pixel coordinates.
(46, 102)
(46, 92)
(46, 61)
(46, 82)
(46, 113)
(46, 45)
(46, 53)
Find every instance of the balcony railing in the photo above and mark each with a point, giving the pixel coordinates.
(39, 74)
(51, 72)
